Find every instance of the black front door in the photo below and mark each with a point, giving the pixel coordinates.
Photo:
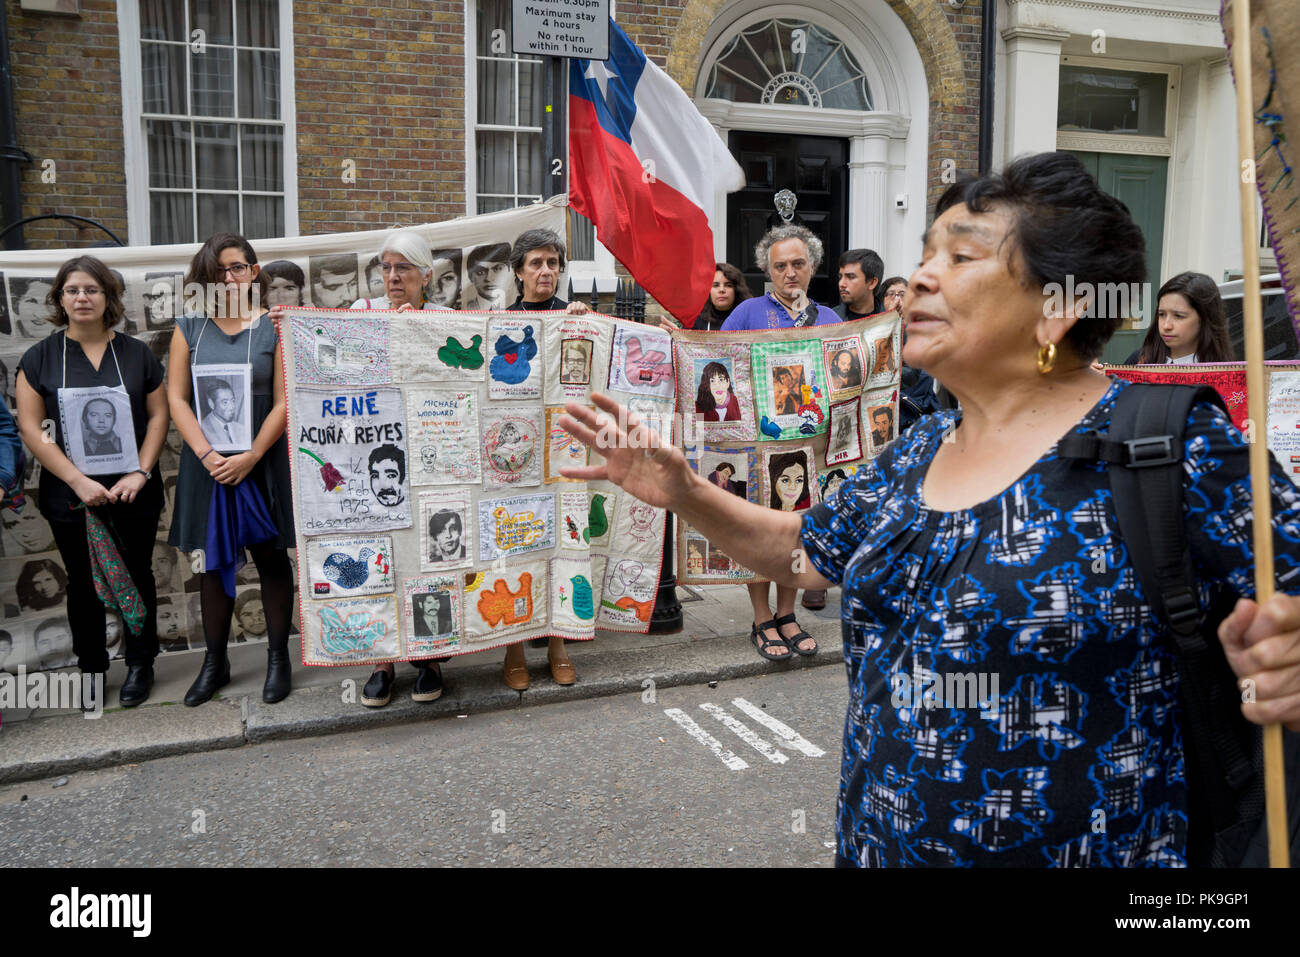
(815, 169)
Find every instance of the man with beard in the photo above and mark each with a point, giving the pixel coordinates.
(387, 474)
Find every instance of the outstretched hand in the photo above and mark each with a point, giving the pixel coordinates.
(637, 459)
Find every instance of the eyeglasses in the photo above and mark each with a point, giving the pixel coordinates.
(238, 270)
(72, 292)
(402, 269)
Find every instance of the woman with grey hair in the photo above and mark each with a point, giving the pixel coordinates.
(789, 255)
(537, 260)
(407, 268)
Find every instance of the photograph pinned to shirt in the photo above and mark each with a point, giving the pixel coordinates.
(572, 526)
(223, 402)
(349, 567)
(446, 530)
(515, 525)
(829, 480)
(562, 449)
(512, 447)
(882, 418)
(628, 594)
(438, 346)
(576, 355)
(501, 603)
(844, 438)
(573, 596)
(845, 366)
(350, 349)
(431, 606)
(883, 348)
(703, 562)
(641, 360)
(443, 437)
(731, 470)
(98, 430)
(714, 383)
(789, 390)
(514, 369)
(787, 475)
(600, 517)
(350, 457)
(344, 630)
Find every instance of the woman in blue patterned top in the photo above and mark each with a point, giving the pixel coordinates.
(971, 547)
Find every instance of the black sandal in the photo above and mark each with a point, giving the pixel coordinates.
(793, 641)
(758, 636)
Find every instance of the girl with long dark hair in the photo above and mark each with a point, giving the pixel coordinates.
(1189, 326)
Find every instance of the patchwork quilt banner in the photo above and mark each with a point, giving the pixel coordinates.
(426, 483)
(781, 417)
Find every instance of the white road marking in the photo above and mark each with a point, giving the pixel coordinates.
(746, 735)
(732, 761)
(784, 732)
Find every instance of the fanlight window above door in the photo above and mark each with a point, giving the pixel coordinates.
(790, 62)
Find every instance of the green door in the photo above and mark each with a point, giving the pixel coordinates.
(1139, 182)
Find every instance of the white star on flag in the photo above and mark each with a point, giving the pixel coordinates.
(600, 73)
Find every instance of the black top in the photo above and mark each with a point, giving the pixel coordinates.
(848, 315)
(142, 373)
(553, 304)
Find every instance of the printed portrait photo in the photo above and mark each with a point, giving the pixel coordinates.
(844, 365)
(446, 536)
(158, 296)
(284, 284)
(575, 361)
(715, 397)
(884, 362)
(53, 640)
(29, 314)
(173, 631)
(222, 401)
(333, 280)
(444, 284)
(372, 279)
(42, 584)
(26, 532)
(492, 282)
(844, 439)
(787, 388)
(882, 425)
(431, 614)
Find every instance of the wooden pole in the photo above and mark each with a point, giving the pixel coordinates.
(1257, 388)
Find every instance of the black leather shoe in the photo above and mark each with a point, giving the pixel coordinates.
(136, 688)
(214, 674)
(378, 690)
(92, 690)
(814, 599)
(278, 672)
(428, 683)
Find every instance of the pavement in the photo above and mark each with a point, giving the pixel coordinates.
(713, 645)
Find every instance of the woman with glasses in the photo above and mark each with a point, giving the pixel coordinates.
(235, 341)
(891, 300)
(407, 266)
(81, 369)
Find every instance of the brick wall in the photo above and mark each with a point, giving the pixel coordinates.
(385, 88)
(67, 101)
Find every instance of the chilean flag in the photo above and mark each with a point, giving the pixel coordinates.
(644, 166)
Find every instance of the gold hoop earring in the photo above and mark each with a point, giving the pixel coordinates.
(1046, 358)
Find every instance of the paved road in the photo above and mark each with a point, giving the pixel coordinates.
(698, 776)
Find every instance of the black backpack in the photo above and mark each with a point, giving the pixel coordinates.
(1223, 752)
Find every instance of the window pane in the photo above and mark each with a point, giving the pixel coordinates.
(263, 217)
(258, 22)
(162, 20)
(214, 157)
(530, 164)
(217, 214)
(530, 94)
(262, 157)
(162, 78)
(492, 204)
(582, 236)
(259, 84)
(493, 15)
(496, 92)
(1111, 101)
(171, 220)
(496, 162)
(169, 154)
(213, 17)
(214, 82)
